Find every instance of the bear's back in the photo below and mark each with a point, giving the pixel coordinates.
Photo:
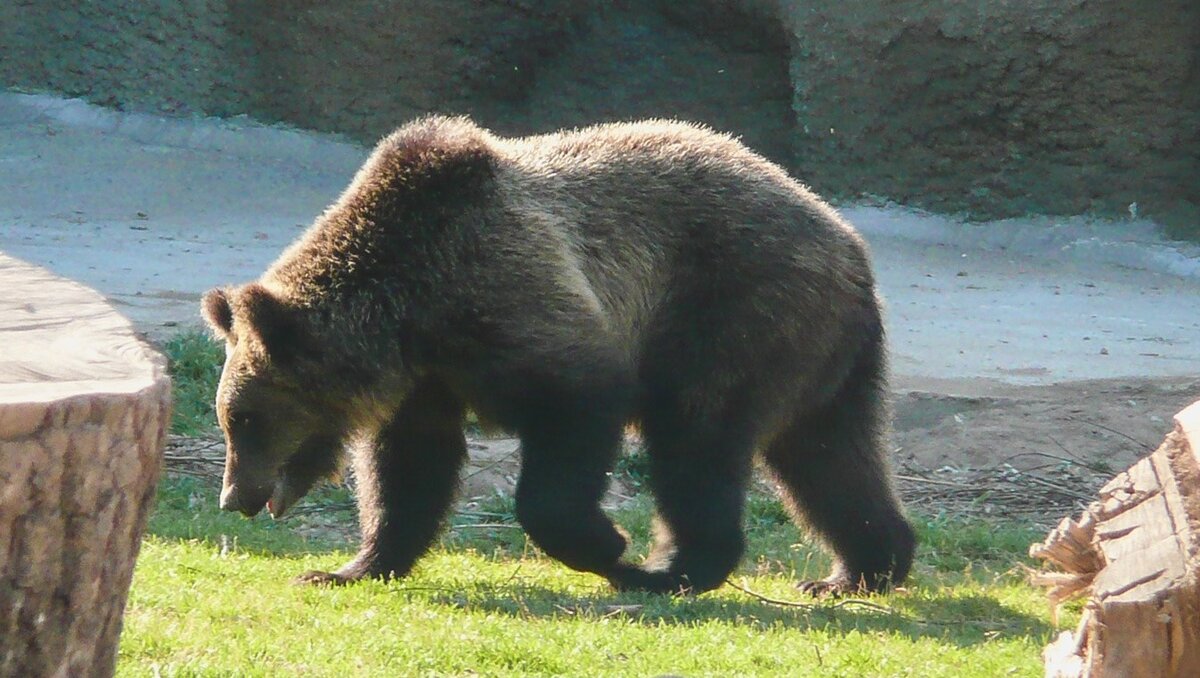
(679, 179)
(609, 220)
(668, 191)
(655, 208)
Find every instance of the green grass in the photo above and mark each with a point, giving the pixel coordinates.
(212, 596)
(194, 360)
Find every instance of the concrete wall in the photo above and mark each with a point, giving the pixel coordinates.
(1004, 107)
(996, 108)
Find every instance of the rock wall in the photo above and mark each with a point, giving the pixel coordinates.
(1002, 108)
(990, 108)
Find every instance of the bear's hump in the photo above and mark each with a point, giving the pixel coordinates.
(654, 136)
(427, 151)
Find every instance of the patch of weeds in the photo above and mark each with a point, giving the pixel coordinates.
(195, 361)
(498, 507)
(1182, 222)
(488, 525)
(765, 511)
(634, 467)
(955, 544)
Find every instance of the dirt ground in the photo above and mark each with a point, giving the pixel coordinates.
(1035, 453)
(1031, 451)
(1073, 436)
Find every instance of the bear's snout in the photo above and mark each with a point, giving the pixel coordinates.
(249, 503)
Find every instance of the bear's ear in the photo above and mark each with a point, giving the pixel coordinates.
(271, 321)
(216, 310)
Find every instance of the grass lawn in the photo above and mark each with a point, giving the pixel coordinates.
(211, 596)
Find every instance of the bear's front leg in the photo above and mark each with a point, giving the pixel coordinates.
(406, 478)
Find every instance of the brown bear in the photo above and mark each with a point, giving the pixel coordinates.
(564, 286)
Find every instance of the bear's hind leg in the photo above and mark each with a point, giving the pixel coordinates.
(406, 479)
(834, 476)
(840, 489)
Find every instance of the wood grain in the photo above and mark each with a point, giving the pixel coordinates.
(84, 408)
(1136, 551)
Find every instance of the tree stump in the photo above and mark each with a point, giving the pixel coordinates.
(84, 408)
(1137, 551)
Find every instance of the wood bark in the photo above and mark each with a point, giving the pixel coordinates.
(84, 408)
(1136, 551)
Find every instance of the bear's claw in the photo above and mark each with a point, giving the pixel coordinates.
(626, 577)
(319, 578)
(827, 588)
(836, 586)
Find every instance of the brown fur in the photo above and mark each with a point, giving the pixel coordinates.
(564, 286)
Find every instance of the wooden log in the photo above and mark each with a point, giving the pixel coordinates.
(1136, 550)
(84, 408)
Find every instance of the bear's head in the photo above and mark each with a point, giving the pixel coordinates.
(281, 435)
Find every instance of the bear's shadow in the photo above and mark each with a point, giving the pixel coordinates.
(961, 620)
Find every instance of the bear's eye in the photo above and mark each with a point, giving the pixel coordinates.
(246, 431)
(240, 420)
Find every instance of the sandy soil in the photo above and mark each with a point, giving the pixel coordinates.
(1011, 341)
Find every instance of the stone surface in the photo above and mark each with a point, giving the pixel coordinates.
(993, 108)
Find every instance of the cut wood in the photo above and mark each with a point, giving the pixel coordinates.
(1136, 551)
(84, 407)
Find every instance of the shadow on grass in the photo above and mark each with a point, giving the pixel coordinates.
(962, 620)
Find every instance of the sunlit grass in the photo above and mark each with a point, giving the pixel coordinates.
(212, 596)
